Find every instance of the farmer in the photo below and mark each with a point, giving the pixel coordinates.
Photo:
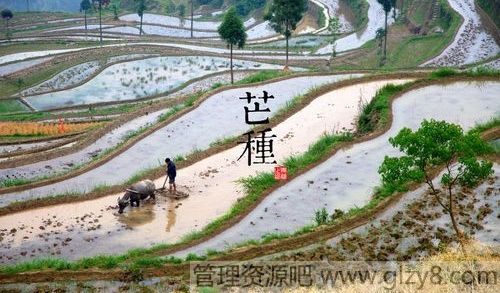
(171, 173)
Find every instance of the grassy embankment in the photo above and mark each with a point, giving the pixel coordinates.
(360, 9)
(492, 8)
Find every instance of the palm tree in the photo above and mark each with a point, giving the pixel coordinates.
(7, 15)
(387, 5)
(85, 6)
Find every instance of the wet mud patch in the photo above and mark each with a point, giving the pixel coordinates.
(65, 231)
(419, 229)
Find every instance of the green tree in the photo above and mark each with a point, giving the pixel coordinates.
(284, 15)
(379, 37)
(140, 5)
(387, 5)
(182, 13)
(232, 31)
(99, 4)
(334, 28)
(169, 7)
(115, 6)
(85, 7)
(7, 15)
(434, 144)
(393, 5)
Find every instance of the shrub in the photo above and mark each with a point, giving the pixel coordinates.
(321, 217)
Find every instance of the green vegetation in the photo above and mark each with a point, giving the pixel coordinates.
(255, 187)
(495, 122)
(434, 144)
(7, 15)
(232, 31)
(320, 18)
(333, 29)
(416, 11)
(7, 182)
(387, 5)
(315, 152)
(223, 141)
(283, 17)
(375, 114)
(360, 9)
(321, 217)
(9, 106)
(492, 8)
(415, 50)
(408, 50)
(85, 7)
(140, 7)
(104, 111)
(477, 72)
(100, 261)
(261, 76)
(244, 7)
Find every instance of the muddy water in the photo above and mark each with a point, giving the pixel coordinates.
(491, 223)
(139, 79)
(211, 183)
(193, 131)
(65, 163)
(15, 67)
(348, 178)
(253, 53)
(27, 146)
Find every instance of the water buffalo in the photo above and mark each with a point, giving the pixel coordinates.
(137, 192)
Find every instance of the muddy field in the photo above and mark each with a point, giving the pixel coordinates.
(335, 185)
